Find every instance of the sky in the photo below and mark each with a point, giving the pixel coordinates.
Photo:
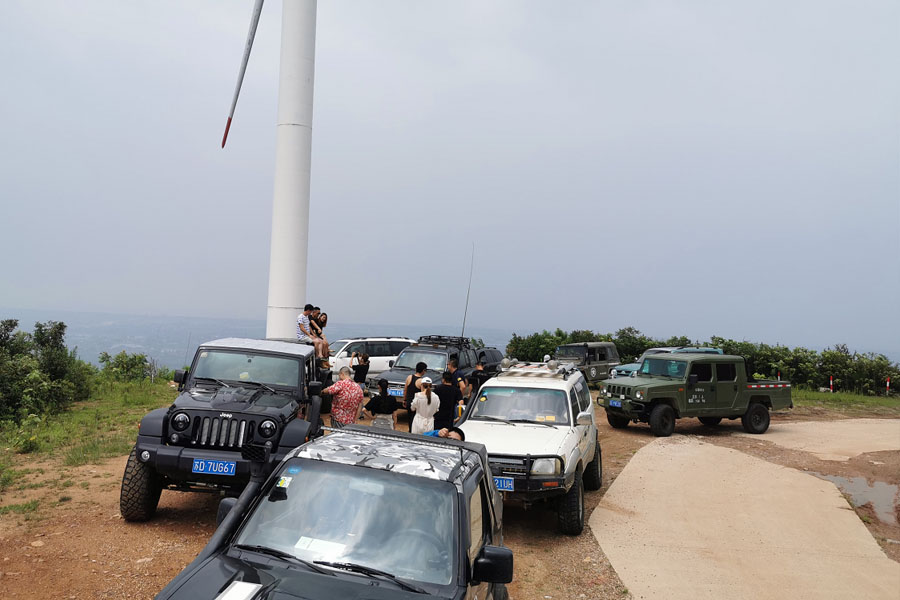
(685, 168)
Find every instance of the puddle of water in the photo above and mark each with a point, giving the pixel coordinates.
(881, 494)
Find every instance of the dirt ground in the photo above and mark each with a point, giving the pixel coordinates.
(76, 545)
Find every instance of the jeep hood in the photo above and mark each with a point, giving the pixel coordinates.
(232, 399)
(516, 438)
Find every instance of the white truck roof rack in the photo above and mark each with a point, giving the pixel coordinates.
(552, 369)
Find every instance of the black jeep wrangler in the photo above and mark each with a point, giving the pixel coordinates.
(237, 392)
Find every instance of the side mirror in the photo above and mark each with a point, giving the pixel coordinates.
(178, 377)
(314, 388)
(225, 507)
(494, 564)
(390, 364)
(584, 418)
(692, 378)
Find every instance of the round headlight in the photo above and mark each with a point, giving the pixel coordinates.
(545, 466)
(180, 422)
(267, 428)
(639, 395)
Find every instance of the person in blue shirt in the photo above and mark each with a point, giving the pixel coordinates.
(453, 433)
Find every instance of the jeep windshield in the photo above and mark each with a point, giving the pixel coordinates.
(571, 352)
(326, 512)
(242, 366)
(522, 404)
(411, 356)
(662, 367)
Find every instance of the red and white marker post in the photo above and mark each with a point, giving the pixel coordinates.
(831, 383)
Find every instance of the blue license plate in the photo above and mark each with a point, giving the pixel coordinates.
(504, 484)
(617, 403)
(392, 392)
(213, 467)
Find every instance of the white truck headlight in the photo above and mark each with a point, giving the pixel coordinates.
(639, 395)
(545, 466)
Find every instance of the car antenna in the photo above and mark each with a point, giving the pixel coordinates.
(468, 289)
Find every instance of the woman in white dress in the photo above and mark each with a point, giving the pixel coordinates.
(426, 404)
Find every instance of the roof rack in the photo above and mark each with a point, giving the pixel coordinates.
(447, 340)
(406, 437)
(537, 369)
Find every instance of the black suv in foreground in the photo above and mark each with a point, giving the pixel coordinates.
(237, 392)
(359, 514)
(436, 352)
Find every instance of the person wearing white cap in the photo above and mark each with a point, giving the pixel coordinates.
(426, 404)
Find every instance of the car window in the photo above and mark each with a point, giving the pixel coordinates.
(573, 403)
(601, 354)
(356, 347)
(476, 523)
(584, 396)
(397, 347)
(703, 371)
(463, 359)
(336, 346)
(379, 348)
(726, 372)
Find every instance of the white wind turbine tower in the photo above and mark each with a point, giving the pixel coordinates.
(290, 205)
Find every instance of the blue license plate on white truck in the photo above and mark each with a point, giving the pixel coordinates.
(504, 484)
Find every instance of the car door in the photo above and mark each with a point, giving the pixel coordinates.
(701, 398)
(727, 395)
(583, 403)
(343, 358)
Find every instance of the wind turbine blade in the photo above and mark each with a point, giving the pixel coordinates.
(254, 21)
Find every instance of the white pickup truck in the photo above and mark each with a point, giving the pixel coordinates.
(537, 422)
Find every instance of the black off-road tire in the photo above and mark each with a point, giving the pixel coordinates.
(756, 419)
(140, 490)
(593, 474)
(570, 513)
(617, 421)
(710, 421)
(662, 420)
(500, 592)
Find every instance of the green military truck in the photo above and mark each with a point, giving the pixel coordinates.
(710, 387)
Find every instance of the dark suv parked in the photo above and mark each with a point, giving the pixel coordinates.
(237, 392)
(363, 515)
(436, 352)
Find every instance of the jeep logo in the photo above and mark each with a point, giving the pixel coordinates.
(225, 415)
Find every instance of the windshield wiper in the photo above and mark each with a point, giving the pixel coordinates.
(283, 555)
(219, 381)
(488, 418)
(534, 422)
(372, 573)
(260, 384)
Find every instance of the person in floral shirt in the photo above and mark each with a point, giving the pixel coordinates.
(347, 399)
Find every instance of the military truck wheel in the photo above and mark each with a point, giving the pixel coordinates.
(756, 419)
(593, 474)
(710, 421)
(140, 490)
(570, 514)
(617, 421)
(662, 420)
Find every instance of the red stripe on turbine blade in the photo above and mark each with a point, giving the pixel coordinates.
(227, 127)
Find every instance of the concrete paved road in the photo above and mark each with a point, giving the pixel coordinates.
(836, 440)
(688, 520)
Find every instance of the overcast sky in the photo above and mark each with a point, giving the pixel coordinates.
(683, 167)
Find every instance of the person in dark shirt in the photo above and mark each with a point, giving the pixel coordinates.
(458, 379)
(476, 379)
(361, 369)
(450, 398)
(382, 409)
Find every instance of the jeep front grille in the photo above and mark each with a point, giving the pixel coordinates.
(618, 390)
(219, 432)
(508, 466)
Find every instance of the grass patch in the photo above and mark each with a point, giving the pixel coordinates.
(20, 509)
(94, 451)
(846, 402)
